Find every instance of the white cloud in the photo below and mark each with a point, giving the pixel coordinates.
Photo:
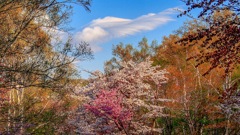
(92, 33)
(104, 29)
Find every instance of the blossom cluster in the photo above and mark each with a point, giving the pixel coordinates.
(128, 98)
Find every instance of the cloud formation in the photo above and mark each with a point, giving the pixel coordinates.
(104, 29)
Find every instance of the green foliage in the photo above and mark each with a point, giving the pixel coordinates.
(127, 52)
(44, 123)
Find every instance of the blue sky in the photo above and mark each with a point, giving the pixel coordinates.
(113, 21)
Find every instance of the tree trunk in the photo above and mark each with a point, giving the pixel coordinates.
(9, 113)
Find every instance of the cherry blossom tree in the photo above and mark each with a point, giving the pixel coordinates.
(130, 98)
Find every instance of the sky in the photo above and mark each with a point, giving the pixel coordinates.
(128, 21)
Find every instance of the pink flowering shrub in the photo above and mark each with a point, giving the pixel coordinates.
(109, 104)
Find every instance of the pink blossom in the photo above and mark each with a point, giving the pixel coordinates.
(109, 104)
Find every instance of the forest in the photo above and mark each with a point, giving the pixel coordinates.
(188, 84)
